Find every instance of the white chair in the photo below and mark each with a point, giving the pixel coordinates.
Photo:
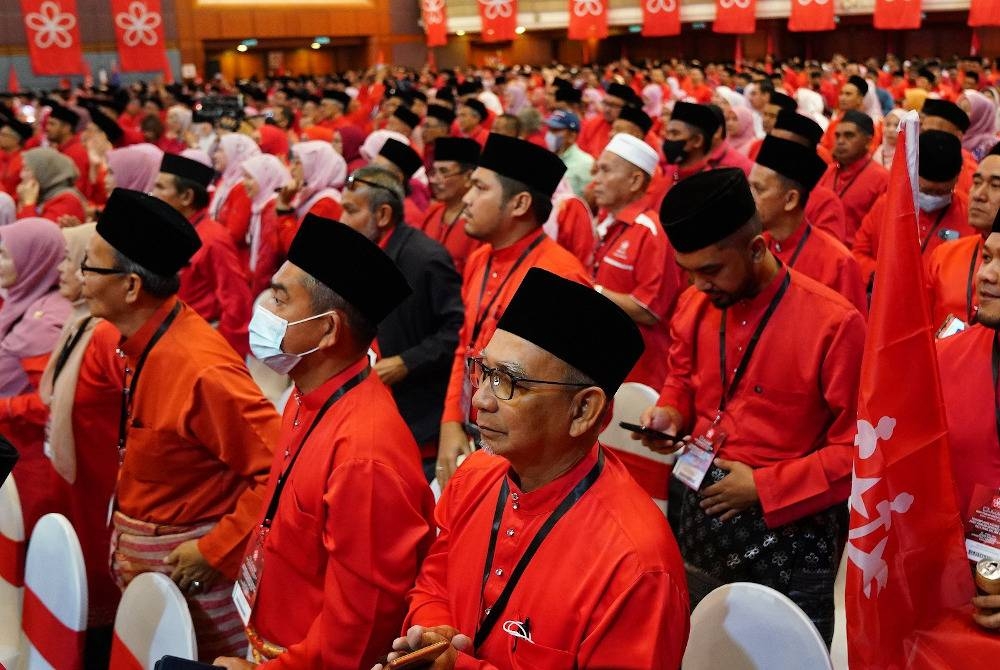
(153, 620)
(744, 626)
(650, 470)
(12, 547)
(55, 599)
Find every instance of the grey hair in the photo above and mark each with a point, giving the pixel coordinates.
(158, 286)
(390, 194)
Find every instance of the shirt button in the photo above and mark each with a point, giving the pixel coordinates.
(494, 275)
(515, 496)
(510, 532)
(486, 611)
(516, 506)
(743, 322)
(499, 572)
(739, 348)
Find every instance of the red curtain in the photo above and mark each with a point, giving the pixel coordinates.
(811, 15)
(139, 33)
(897, 14)
(53, 31)
(661, 18)
(587, 19)
(435, 22)
(735, 16)
(984, 13)
(499, 18)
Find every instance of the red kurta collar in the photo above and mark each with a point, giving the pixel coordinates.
(515, 250)
(383, 242)
(198, 217)
(545, 499)
(751, 308)
(134, 345)
(789, 242)
(630, 211)
(845, 172)
(313, 400)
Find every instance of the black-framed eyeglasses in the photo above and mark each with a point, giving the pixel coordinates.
(352, 180)
(444, 174)
(84, 268)
(502, 382)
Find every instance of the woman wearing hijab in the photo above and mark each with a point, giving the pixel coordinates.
(273, 140)
(134, 167)
(982, 132)
(262, 176)
(230, 205)
(347, 142)
(31, 319)
(48, 186)
(176, 127)
(739, 129)
(885, 151)
(8, 209)
(317, 173)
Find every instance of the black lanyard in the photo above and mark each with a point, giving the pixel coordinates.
(481, 318)
(996, 378)
(496, 609)
(272, 507)
(68, 348)
(851, 182)
(729, 389)
(448, 227)
(940, 218)
(800, 245)
(969, 284)
(128, 390)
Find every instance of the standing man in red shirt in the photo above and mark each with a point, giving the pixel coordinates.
(764, 371)
(454, 160)
(60, 131)
(596, 131)
(13, 135)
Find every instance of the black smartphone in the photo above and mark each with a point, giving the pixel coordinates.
(174, 663)
(648, 432)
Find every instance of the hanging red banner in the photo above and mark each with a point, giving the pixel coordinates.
(142, 45)
(811, 16)
(984, 13)
(499, 19)
(661, 18)
(897, 14)
(53, 31)
(735, 16)
(435, 22)
(587, 19)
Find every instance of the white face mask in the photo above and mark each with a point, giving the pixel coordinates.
(267, 331)
(932, 203)
(553, 142)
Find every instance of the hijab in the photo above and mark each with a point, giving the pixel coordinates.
(237, 148)
(373, 143)
(273, 140)
(982, 132)
(653, 95)
(744, 136)
(8, 209)
(36, 247)
(351, 139)
(135, 167)
(885, 151)
(54, 172)
(323, 171)
(270, 174)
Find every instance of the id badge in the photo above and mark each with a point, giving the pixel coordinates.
(245, 589)
(952, 325)
(982, 530)
(692, 466)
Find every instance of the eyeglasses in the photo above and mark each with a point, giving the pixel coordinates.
(444, 174)
(99, 271)
(352, 180)
(503, 383)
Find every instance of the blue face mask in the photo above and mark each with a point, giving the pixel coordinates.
(267, 331)
(932, 203)
(554, 142)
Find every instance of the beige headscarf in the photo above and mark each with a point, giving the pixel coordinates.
(54, 171)
(58, 393)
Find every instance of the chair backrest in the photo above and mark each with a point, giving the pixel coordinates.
(153, 620)
(744, 626)
(55, 597)
(12, 548)
(649, 469)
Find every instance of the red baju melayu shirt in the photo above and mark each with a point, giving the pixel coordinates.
(825, 211)
(793, 416)
(575, 228)
(505, 275)
(234, 214)
(951, 278)
(622, 606)
(450, 234)
(10, 171)
(352, 525)
(857, 185)
(73, 149)
(634, 257)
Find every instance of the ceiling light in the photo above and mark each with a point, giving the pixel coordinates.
(520, 30)
(241, 48)
(314, 45)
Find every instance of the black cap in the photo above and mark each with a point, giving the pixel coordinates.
(569, 94)
(108, 126)
(337, 96)
(469, 87)
(23, 129)
(792, 160)
(575, 324)
(948, 111)
(622, 91)
(637, 117)
(927, 74)
(8, 457)
(402, 156)
(528, 163)
(351, 265)
(64, 113)
(861, 120)
(441, 113)
(699, 116)
(785, 102)
(800, 125)
(187, 168)
(940, 156)
(706, 208)
(458, 149)
(859, 83)
(148, 231)
(406, 116)
(476, 106)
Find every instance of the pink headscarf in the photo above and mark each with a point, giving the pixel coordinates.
(323, 171)
(982, 132)
(270, 174)
(198, 155)
(373, 143)
(135, 167)
(653, 95)
(745, 136)
(8, 209)
(237, 148)
(36, 246)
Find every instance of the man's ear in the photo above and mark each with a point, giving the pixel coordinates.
(586, 410)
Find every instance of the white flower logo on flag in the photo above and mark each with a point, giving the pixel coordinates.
(493, 9)
(729, 4)
(139, 24)
(51, 26)
(432, 11)
(806, 3)
(657, 6)
(582, 8)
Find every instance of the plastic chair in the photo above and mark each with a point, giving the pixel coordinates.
(12, 548)
(55, 597)
(649, 469)
(152, 621)
(744, 626)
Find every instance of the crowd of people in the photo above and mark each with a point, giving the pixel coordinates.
(453, 272)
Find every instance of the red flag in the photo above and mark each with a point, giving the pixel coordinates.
(661, 18)
(811, 15)
(984, 13)
(139, 33)
(897, 14)
(499, 19)
(587, 19)
(13, 83)
(435, 22)
(53, 31)
(909, 583)
(735, 16)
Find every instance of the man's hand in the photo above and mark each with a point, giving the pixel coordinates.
(735, 493)
(987, 612)
(233, 663)
(192, 573)
(452, 444)
(664, 419)
(419, 637)
(391, 370)
(27, 192)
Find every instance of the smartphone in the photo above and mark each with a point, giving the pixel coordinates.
(648, 432)
(175, 663)
(422, 656)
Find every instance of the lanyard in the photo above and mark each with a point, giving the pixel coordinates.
(279, 486)
(69, 347)
(851, 182)
(128, 391)
(969, 283)
(800, 245)
(494, 611)
(729, 389)
(996, 378)
(481, 319)
(937, 222)
(447, 227)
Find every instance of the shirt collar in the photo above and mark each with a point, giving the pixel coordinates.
(546, 498)
(134, 345)
(848, 171)
(313, 400)
(745, 309)
(789, 242)
(515, 250)
(629, 212)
